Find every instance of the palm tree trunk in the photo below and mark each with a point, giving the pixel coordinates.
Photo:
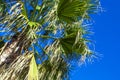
(11, 50)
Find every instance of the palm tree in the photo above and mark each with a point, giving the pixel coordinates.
(42, 37)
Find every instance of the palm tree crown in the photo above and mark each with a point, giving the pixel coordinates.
(41, 37)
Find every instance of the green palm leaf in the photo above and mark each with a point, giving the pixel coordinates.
(74, 42)
(70, 10)
(33, 71)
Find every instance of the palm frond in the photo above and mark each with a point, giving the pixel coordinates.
(55, 68)
(74, 10)
(33, 71)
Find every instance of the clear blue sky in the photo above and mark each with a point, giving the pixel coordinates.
(107, 37)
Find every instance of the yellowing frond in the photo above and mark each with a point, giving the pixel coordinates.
(33, 71)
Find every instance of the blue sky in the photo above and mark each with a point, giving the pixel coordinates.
(107, 43)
